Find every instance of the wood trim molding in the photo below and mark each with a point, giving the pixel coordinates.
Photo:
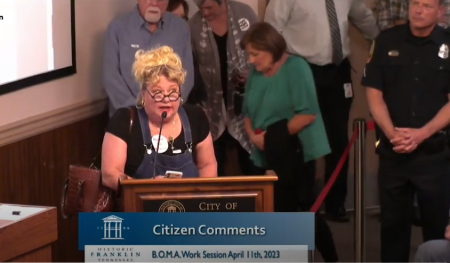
(51, 120)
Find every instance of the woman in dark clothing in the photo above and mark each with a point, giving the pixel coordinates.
(198, 94)
(216, 30)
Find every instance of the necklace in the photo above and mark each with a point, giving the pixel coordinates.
(173, 125)
(171, 140)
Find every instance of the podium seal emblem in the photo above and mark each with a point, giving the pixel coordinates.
(171, 206)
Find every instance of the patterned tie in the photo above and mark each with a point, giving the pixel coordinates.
(338, 56)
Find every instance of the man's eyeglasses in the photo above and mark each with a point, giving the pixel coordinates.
(159, 96)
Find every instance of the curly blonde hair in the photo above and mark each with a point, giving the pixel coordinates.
(150, 65)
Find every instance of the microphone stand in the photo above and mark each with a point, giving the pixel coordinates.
(163, 116)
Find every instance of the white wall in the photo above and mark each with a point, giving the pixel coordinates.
(92, 18)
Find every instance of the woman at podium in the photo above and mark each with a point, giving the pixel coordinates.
(159, 133)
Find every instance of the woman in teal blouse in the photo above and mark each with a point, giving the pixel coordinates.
(281, 87)
(289, 94)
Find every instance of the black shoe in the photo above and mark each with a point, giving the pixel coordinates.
(340, 216)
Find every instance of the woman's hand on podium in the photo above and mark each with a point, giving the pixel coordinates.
(159, 177)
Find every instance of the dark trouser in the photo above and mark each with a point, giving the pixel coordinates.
(335, 109)
(245, 164)
(300, 193)
(429, 178)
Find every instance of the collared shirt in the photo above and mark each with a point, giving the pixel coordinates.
(304, 25)
(413, 74)
(388, 11)
(127, 35)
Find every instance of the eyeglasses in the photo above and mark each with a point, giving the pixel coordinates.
(159, 96)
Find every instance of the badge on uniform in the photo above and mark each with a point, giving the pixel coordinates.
(443, 51)
(393, 53)
(348, 90)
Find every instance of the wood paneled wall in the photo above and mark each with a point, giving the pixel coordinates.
(32, 172)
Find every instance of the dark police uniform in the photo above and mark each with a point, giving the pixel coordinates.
(414, 75)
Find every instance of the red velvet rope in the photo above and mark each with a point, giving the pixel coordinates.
(330, 183)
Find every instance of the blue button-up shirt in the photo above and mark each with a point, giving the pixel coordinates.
(128, 34)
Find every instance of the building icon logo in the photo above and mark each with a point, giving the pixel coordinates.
(172, 206)
(112, 229)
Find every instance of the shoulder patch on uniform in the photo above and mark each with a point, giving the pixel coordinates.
(372, 48)
(443, 51)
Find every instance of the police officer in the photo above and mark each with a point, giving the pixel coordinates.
(407, 76)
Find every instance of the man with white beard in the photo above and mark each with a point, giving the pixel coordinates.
(148, 26)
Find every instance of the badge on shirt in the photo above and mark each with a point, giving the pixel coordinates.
(244, 24)
(163, 144)
(443, 51)
(348, 90)
(393, 53)
(372, 49)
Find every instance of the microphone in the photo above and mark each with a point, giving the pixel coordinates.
(163, 116)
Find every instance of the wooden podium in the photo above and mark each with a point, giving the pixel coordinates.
(219, 194)
(28, 236)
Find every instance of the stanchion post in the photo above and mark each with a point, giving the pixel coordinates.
(359, 163)
(311, 256)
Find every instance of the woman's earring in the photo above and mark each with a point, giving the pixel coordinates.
(181, 100)
(143, 102)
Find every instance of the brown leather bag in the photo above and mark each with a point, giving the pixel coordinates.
(83, 190)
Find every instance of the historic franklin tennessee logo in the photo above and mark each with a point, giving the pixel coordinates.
(171, 206)
(112, 228)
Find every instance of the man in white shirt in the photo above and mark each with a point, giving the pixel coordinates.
(318, 31)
